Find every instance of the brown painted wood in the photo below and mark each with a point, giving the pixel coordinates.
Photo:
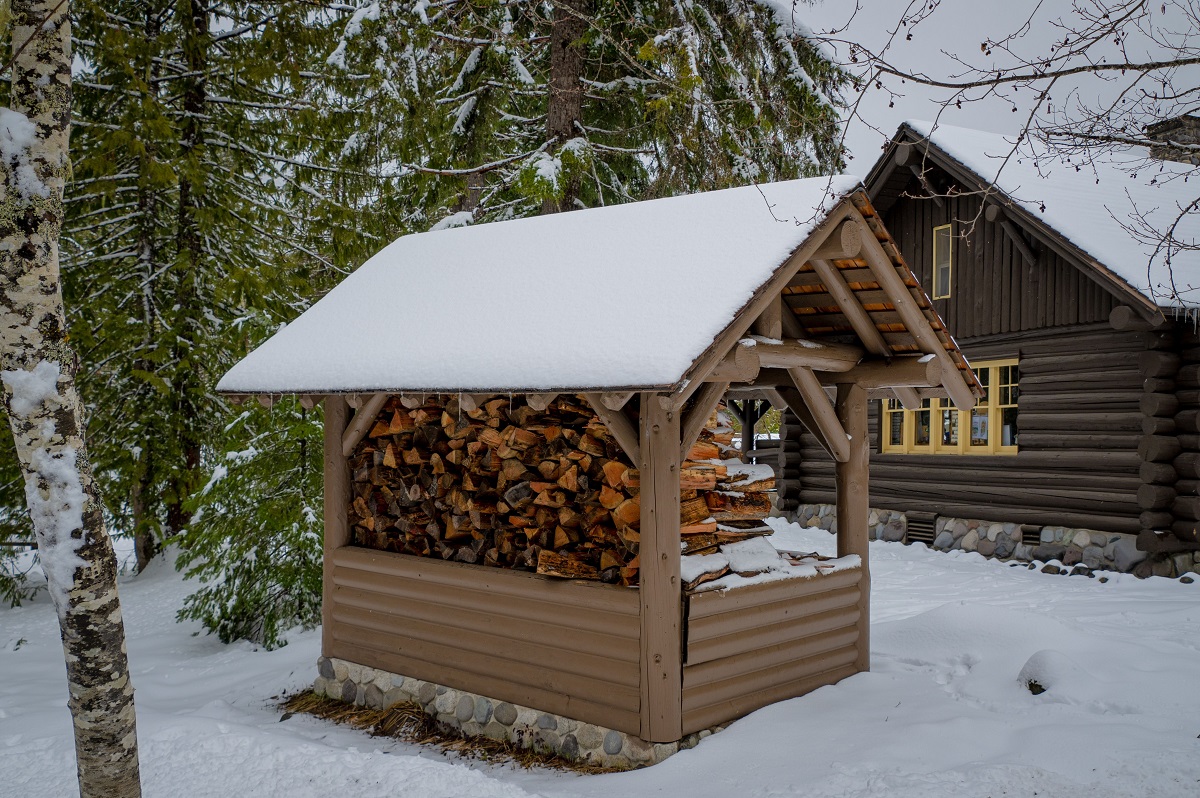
(618, 424)
(703, 404)
(336, 500)
(661, 587)
(361, 423)
(853, 505)
(823, 414)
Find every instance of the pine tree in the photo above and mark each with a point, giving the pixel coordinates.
(510, 109)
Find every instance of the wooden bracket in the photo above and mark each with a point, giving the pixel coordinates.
(470, 402)
(615, 400)
(823, 414)
(540, 401)
(360, 425)
(619, 425)
(994, 213)
(412, 401)
(705, 402)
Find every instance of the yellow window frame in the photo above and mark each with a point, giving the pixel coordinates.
(1001, 381)
(948, 243)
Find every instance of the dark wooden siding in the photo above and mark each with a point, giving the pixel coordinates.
(557, 646)
(994, 290)
(749, 647)
(1080, 426)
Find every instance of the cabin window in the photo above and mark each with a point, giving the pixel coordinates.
(938, 427)
(941, 262)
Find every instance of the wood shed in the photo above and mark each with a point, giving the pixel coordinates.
(544, 390)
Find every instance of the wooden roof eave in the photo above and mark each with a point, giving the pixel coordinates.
(1047, 235)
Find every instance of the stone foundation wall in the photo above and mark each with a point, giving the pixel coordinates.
(474, 715)
(889, 525)
(1078, 550)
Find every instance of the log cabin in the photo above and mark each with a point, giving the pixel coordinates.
(1085, 448)
(519, 420)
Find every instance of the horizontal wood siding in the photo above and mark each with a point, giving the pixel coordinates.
(994, 290)
(750, 647)
(1080, 427)
(557, 646)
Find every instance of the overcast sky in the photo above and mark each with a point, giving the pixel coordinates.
(954, 27)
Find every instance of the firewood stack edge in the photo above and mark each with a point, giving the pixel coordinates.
(549, 491)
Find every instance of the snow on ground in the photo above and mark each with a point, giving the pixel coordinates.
(941, 715)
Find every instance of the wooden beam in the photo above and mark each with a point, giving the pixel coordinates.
(925, 184)
(854, 506)
(361, 424)
(914, 319)
(337, 507)
(822, 412)
(619, 425)
(900, 372)
(266, 400)
(851, 308)
(703, 404)
(308, 401)
(540, 401)
(908, 397)
(994, 213)
(412, 400)
(1125, 318)
(740, 365)
(786, 397)
(844, 242)
(766, 293)
(769, 323)
(660, 588)
(807, 354)
(615, 400)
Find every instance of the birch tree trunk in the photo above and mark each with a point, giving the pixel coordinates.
(38, 371)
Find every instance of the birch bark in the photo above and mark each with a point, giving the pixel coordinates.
(38, 369)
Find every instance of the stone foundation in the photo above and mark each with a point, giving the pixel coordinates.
(1078, 550)
(889, 525)
(474, 715)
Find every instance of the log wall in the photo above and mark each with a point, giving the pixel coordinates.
(750, 647)
(1081, 450)
(994, 290)
(569, 648)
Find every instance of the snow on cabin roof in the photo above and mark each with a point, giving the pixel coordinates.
(625, 296)
(1100, 206)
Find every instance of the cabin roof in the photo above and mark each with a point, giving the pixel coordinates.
(628, 297)
(1088, 207)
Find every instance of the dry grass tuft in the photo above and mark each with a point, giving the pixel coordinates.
(408, 722)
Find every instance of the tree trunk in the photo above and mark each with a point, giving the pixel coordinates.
(564, 110)
(44, 409)
(196, 41)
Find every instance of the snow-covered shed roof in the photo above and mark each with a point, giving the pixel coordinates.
(624, 296)
(1108, 207)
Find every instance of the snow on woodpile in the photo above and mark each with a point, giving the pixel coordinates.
(1112, 207)
(621, 296)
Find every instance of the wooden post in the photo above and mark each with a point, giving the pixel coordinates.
(661, 589)
(337, 502)
(853, 505)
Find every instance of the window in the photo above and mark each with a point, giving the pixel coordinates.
(938, 427)
(941, 262)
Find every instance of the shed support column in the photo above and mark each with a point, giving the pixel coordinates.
(337, 502)
(661, 589)
(853, 505)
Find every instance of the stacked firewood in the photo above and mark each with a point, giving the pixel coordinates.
(549, 491)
